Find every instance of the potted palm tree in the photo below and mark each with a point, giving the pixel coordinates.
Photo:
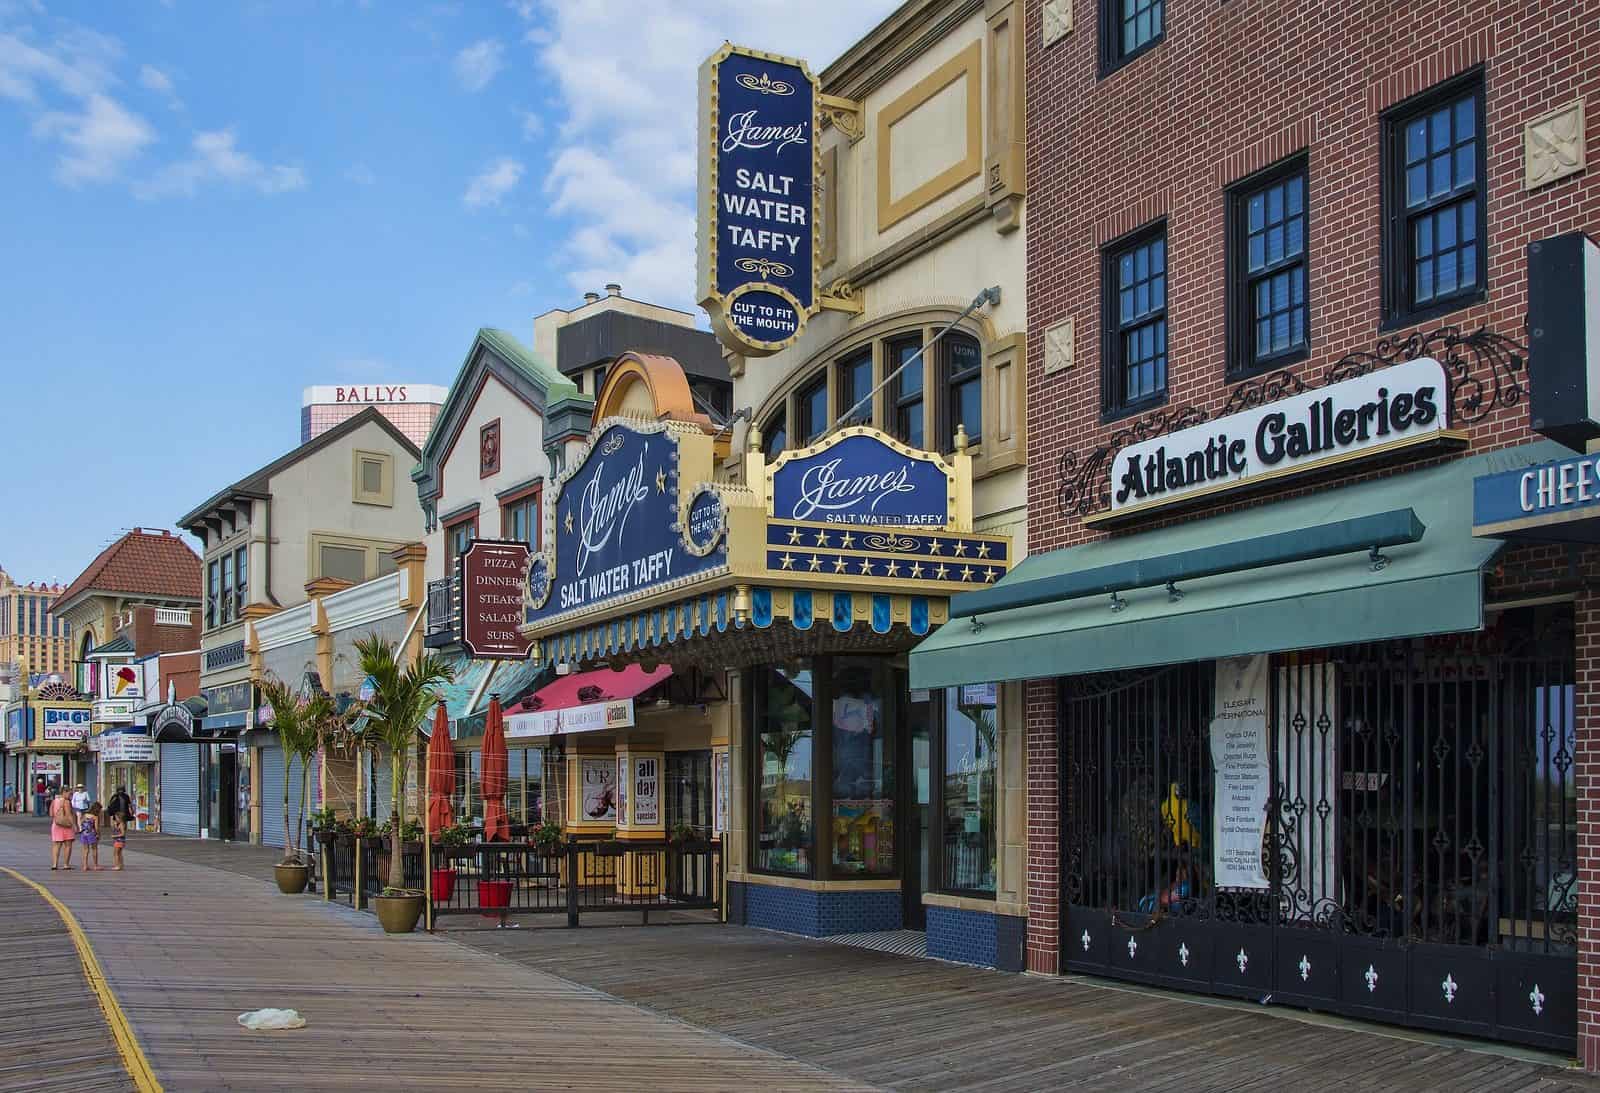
(401, 698)
(298, 738)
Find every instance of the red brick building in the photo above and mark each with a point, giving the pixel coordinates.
(1254, 208)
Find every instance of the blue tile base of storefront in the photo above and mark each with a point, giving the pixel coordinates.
(814, 914)
(976, 937)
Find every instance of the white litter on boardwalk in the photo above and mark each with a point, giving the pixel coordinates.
(270, 1020)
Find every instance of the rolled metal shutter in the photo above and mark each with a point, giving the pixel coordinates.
(272, 776)
(180, 789)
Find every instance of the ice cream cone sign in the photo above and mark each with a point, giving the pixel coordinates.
(125, 678)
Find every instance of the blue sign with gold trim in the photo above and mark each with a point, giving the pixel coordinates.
(613, 527)
(859, 477)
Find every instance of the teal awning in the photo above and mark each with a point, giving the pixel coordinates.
(1433, 585)
(466, 698)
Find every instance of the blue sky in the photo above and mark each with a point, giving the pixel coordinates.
(207, 206)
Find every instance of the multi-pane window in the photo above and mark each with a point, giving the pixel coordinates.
(963, 379)
(519, 519)
(1436, 220)
(213, 593)
(855, 385)
(1135, 349)
(1128, 28)
(457, 537)
(226, 609)
(241, 577)
(906, 391)
(1269, 313)
(774, 435)
(813, 410)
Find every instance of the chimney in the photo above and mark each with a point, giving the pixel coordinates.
(591, 297)
(613, 289)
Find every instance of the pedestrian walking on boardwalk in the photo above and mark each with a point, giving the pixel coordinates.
(11, 798)
(40, 797)
(89, 835)
(120, 805)
(80, 801)
(119, 839)
(63, 829)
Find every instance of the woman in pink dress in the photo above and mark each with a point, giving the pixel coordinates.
(63, 829)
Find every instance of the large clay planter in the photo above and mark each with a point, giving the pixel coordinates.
(292, 879)
(398, 914)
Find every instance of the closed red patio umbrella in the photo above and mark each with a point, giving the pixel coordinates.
(495, 763)
(441, 773)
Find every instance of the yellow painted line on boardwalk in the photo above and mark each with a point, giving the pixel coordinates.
(133, 1057)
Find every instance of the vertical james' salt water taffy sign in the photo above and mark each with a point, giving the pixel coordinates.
(756, 268)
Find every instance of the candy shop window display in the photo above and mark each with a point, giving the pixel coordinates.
(863, 770)
(785, 834)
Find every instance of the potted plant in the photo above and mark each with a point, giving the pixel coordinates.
(297, 737)
(324, 825)
(444, 876)
(402, 696)
(364, 828)
(547, 836)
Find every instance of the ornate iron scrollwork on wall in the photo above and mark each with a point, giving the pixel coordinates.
(1483, 368)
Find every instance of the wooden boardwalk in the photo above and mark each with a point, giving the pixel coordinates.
(53, 1035)
(187, 948)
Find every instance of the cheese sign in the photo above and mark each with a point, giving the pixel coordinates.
(1381, 410)
(757, 263)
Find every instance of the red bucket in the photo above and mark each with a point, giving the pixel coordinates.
(494, 894)
(444, 885)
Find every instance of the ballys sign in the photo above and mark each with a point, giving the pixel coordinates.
(612, 526)
(859, 476)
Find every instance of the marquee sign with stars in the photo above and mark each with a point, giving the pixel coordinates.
(613, 529)
(854, 554)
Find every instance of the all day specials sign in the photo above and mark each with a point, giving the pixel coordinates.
(757, 262)
(1401, 404)
(613, 526)
(491, 575)
(858, 476)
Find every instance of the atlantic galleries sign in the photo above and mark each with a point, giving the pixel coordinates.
(1394, 407)
(491, 573)
(757, 263)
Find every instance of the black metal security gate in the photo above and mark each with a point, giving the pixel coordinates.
(1418, 832)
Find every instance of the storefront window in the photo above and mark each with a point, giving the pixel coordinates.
(863, 770)
(968, 810)
(785, 835)
(475, 785)
(524, 785)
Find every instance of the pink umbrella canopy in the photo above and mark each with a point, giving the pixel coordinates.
(495, 764)
(441, 773)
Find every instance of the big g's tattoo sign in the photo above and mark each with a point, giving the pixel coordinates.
(613, 527)
(757, 268)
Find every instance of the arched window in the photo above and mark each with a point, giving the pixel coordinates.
(963, 384)
(775, 435)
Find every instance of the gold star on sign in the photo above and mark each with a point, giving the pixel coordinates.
(988, 575)
(866, 565)
(794, 536)
(816, 563)
(838, 565)
(961, 548)
(893, 570)
(916, 571)
(568, 521)
(661, 481)
(933, 546)
(940, 572)
(788, 561)
(822, 537)
(847, 539)
(983, 550)
(966, 573)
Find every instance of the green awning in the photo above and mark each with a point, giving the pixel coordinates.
(1433, 585)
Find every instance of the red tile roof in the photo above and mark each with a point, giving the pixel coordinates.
(156, 564)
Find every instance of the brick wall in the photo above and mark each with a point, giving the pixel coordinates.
(1236, 86)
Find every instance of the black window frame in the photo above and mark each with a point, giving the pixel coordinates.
(899, 401)
(241, 578)
(805, 401)
(780, 419)
(1397, 257)
(950, 378)
(848, 395)
(1112, 54)
(1113, 404)
(1243, 362)
(213, 593)
(938, 744)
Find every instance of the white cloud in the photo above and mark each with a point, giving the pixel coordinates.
(479, 63)
(360, 174)
(532, 124)
(152, 78)
(216, 158)
(493, 183)
(623, 173)
(98, 140)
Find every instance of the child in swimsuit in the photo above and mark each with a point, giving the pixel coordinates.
(119, 839)
(89, 836)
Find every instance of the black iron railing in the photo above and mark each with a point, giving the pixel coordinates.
(576, 878)
(339, 858)
(375, 854)
(442, 623)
